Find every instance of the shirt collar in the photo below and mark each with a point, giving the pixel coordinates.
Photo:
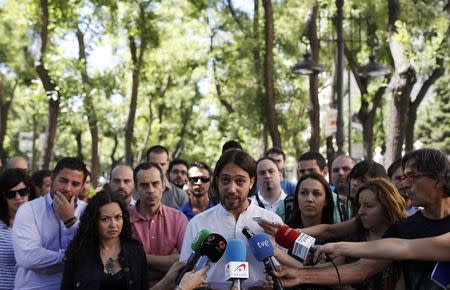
(281, 197)
(136, 216)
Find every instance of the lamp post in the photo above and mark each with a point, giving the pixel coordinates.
(340, 139)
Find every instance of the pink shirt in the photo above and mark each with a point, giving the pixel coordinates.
(162, 233)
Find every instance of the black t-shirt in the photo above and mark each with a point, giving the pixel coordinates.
(417, 273)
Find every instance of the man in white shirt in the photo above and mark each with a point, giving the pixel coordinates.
(270, 195)
(233, 179)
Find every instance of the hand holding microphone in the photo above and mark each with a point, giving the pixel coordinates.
(195, 256)
(300, 245)
(262, 249)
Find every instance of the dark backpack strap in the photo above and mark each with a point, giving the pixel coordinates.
(259, 201)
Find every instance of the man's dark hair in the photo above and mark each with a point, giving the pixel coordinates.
(431, 162)
(72, 163)
(275, 150)
(146, 166)
(267, 158)
(38, 177)
(177, 162)
(157, 149)
(369, 167)
(201, 165)
(394, 166)
(230, 145)
(239, 158)
(320, 160)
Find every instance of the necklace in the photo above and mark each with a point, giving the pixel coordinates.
(109, 265)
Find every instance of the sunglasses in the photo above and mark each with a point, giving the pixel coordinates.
(203, 179)
(12, 194)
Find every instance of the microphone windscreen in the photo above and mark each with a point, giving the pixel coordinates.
(261, 246)
(286, 236)
(198, 241)
(236, 251)
(213, 246)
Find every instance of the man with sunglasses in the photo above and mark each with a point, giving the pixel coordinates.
(198, 188)
(44, 227)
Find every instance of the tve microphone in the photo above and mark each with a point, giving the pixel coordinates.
(300, 245)
(211, 250)
(193, 258)
(263, 250)
(236, 268)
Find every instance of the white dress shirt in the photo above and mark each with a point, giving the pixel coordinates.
(218, 220)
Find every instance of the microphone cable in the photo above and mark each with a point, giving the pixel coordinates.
(327, 258)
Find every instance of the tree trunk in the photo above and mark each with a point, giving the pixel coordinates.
(5, 103)
(258, 71)
(314, 108)
(79, 141)
(413, 106)
(137, 65)
(268, 75)
(403, 81)
(51, 90)
(89, 107)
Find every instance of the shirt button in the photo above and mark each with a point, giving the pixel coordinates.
(153, 221)
(153, 237)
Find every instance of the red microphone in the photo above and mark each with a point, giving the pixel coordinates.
(300, 245)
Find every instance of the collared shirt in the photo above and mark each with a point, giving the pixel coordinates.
(7, 260)
(173, 196)
(160, 234)
(277, 206)
(187, 209)
(40, 239)
(218, 220)
(132, 202)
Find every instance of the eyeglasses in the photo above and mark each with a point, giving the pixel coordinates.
(12, 194)
(411, 176)
(203, 179)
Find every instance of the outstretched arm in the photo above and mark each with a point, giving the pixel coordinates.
(437, 249)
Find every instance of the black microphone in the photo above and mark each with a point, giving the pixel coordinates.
(211, 250)
(193, 258)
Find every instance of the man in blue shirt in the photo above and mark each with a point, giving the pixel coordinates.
(278, 155)
(44, 227)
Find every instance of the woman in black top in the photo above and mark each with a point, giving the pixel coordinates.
(103, 254)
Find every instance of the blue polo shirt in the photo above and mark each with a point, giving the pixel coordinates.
(187, 209)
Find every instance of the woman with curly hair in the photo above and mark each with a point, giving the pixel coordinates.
(15, 189)
(103, 255)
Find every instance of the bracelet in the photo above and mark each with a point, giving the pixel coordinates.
(68, 223)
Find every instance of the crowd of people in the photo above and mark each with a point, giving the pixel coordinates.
(380, 229)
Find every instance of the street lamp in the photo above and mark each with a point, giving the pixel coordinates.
(373, 69)
(307, 66)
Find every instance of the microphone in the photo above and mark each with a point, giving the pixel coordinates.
(247, 232)
(263, 250)
(193, 258)
(300, 245)
(236, 268)
(211, 250)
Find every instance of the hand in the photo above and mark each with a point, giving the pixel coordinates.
(332, 250)
(192, 280)
(269, 227)
(288, 276)
(64, 209)
(168, 282)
